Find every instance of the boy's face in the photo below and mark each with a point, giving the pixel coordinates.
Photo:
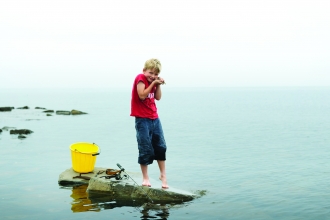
(151, 74)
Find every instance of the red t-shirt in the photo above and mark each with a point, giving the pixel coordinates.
(143, 108)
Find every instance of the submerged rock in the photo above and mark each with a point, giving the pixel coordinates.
(7, 128)
(21, 131)
(6, 109)
(72, 112)
(25, 107)
(21, 136)
(49, 114)
(49, 111)
(61, 112)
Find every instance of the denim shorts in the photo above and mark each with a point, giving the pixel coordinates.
(150, 139)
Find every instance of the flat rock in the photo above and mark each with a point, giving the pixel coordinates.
(124, 189)
(61, 112)
(49, 111)
(77, 112)
(6, 109)
(25, 107)
(21, 131)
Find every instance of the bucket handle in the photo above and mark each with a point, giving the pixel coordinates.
(98, 153)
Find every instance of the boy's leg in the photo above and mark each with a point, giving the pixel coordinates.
(146, 151)
(159, 144)
(146, 181)
(162, 169)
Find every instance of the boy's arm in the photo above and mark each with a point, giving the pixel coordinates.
(142, 91)
(158, 92)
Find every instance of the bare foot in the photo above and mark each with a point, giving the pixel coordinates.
(146, 183)
(164, 182)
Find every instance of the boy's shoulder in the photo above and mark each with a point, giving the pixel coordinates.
(140, 77)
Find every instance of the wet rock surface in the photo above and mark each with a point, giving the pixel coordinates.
(124, 189)
(77, 112)
(21, 131)
(25, 107)
(6, 109)
(72, 112)
(61, 112)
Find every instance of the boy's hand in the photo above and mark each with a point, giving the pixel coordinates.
(159, 81)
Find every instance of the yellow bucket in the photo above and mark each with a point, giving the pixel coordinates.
(83, 156)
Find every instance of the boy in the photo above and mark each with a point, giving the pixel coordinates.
(149, 132)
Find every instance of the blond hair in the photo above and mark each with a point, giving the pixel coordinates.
(152, 64)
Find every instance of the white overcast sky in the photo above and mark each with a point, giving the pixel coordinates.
(104, 44)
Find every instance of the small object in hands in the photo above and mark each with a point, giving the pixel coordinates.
(163, 81)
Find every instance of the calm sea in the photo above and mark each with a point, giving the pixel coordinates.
(252, 153)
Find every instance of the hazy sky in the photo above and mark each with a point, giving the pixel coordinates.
(63, 43)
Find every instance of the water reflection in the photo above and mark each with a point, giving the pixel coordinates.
(81, 202)
(154, 210)
(93, 201)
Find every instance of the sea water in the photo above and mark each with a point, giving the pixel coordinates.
(249, 153)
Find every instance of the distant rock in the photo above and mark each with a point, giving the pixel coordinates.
(72, 112)
(77, 112)
(6, 109)
(49, 111)
(39, 108)
(25, 107)
(7, 128)
(49, 114)
(21, 136)
(21, 131)
(60, 112)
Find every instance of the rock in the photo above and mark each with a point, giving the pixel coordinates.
(7, 128)
(124, 189)
(21, 136)
(49, 114)
(49, 111)
(6, 109)
(25, 107)
(77, 112)
(60, 112)
(127, 189)
(21, 131)
(0, 130)
(39, 108)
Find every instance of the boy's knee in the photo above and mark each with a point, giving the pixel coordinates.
(145, 159)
